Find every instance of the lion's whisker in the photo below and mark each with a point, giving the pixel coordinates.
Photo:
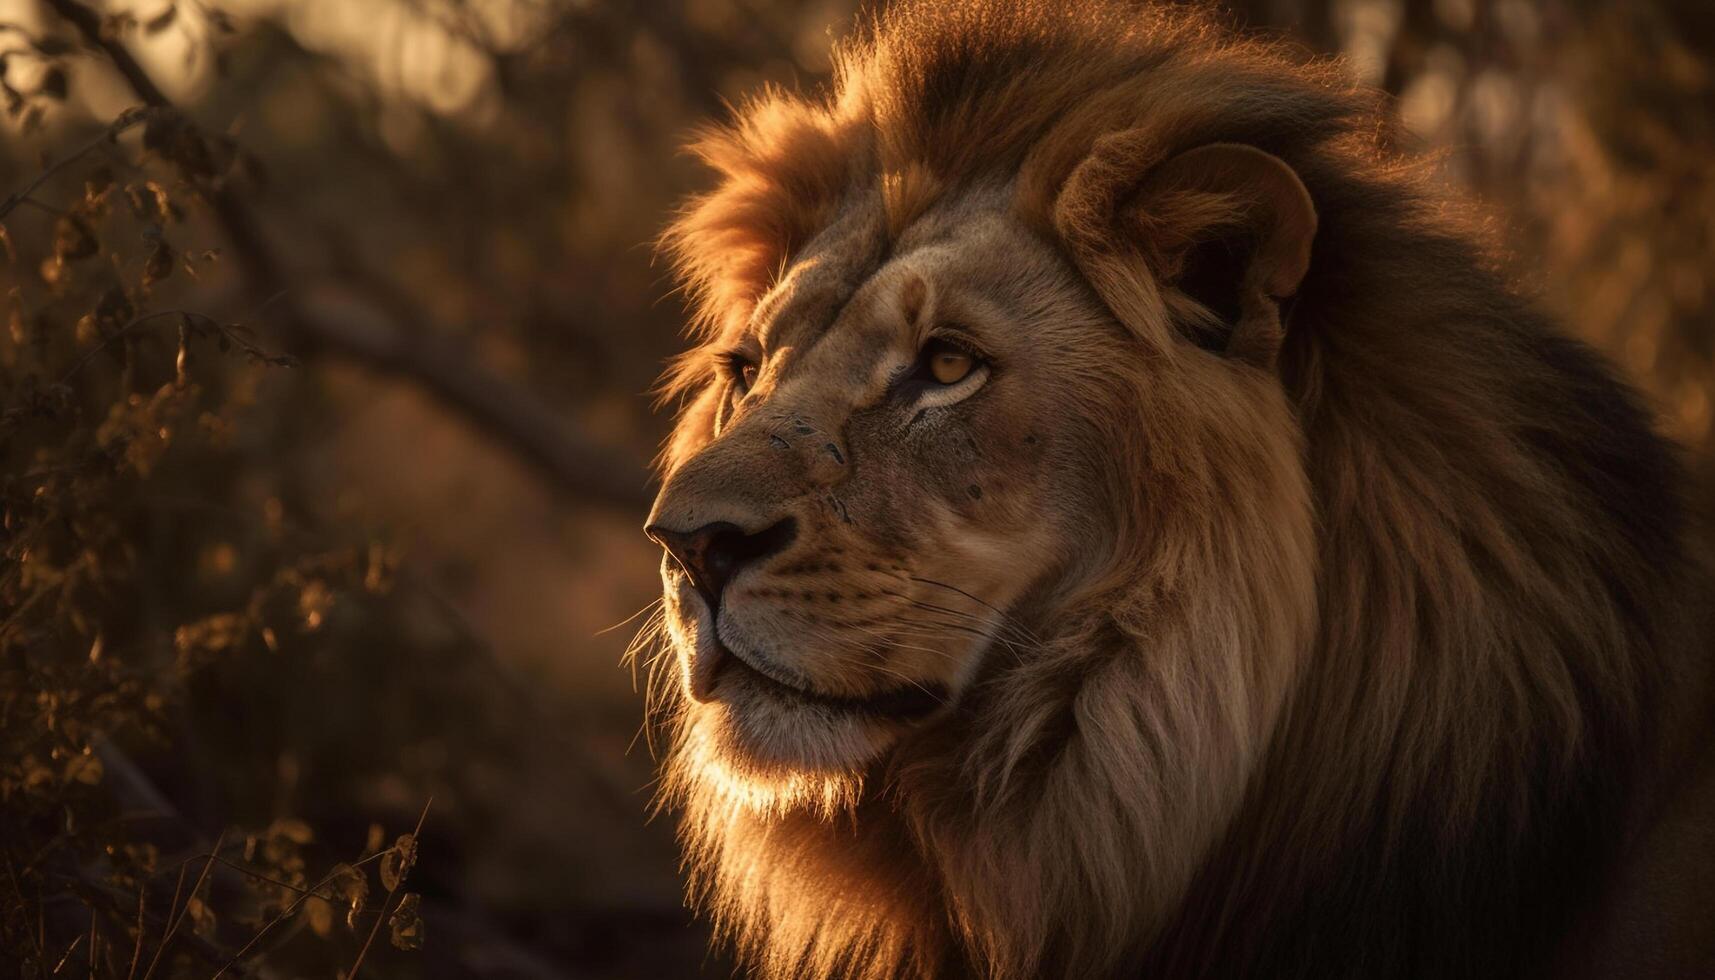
(1005, 617)
(1010, 646)
(994, 629)
(651, 604)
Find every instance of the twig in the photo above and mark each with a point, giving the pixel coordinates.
(106, 895)
(174, 921)
(134, 787)
(229, 333)
(416, 837)
(126, 120)
(137, 950)
(167, 924)
(303, 896)
(43, 206)
(314, 892)
(119, 334)
(75, 943)
(18, 888)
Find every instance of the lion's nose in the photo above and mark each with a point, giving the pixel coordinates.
(714, 554)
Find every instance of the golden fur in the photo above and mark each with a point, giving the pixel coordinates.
(1361, 654)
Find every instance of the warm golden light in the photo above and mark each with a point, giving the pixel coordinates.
(744, 788)
(325, 328)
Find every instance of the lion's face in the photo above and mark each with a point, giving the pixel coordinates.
(873, 479)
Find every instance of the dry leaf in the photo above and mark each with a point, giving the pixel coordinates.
(396, 864)
(406, 923)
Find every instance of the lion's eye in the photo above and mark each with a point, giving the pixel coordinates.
(947, 370)
(947, 363)
(744, 372)
(950, 365)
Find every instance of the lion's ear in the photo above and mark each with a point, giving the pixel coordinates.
(1230, 227)
(1225, 230)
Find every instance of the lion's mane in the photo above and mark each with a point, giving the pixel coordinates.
(1499, 554)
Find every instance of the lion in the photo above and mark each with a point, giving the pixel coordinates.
(1125, 518)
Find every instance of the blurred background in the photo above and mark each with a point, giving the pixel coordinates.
(329, 327)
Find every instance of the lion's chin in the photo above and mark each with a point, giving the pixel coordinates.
(772, 727)
(760, 758)
(772, 749)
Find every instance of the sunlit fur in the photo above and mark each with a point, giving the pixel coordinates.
(1373, 678)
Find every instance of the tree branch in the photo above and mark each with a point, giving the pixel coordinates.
(505, 411)
(88, 24)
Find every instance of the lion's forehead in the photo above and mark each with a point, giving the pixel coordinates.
(834, 311)
(816, 285)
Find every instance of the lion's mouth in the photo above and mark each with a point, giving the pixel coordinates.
(903, 703)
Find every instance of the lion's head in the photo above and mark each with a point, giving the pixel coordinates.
(1052, 474)
(918, 444)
